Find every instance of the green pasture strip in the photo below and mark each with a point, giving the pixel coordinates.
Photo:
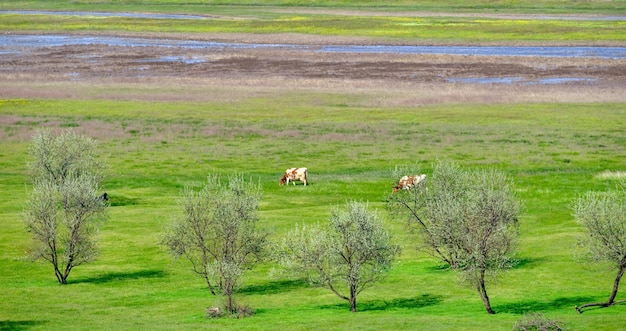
(314, 108)
(553, 153)
(206, 136)
(456, 29)
(208, 6)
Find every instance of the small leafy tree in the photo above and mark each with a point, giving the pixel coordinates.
(64, 211)
(218, 234)
(353, 250)
(468, 219)
(603, 215)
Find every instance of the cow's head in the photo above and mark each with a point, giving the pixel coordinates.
(397, 188)
(283, 180)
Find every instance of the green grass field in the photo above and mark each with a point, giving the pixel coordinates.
(433, 29)
(554, 152)
(375, 19)
(251, 6)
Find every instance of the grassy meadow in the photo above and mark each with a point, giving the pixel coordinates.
(384, 20)
(389, 28)
(252, 6)
(554, 152)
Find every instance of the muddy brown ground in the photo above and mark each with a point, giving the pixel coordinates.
(169, 73)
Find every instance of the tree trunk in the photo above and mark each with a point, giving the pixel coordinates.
(68, 268)
(205, 271)
(52, 246)
(353, 299)
(618, 277)
(230, 304)
(59, 275)
(611, 300)
(208, 283)
(483, 292)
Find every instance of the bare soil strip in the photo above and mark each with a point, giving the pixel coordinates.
(98, 71)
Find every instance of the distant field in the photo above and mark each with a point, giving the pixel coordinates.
(177, 123)
(394, 27)
(250, 6)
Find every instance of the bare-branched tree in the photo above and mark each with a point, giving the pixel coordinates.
(603, 215)
(64, 211)
(468, 219)
(218, 234)
(353, 250)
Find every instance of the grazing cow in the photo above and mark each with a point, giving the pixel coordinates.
(104, 197)
(293, 174)
(407, 182)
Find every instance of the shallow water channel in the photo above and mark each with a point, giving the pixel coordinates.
(196, 17)
(104, 14)
(20, 41)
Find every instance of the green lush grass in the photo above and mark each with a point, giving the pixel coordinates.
(444, 29)
(203, 6)
(384, 20)
(552, 152)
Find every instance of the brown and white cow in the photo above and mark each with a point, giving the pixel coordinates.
(408, 182)
(293, 174)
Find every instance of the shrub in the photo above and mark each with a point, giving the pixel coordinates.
(537, 322)
(241, 312)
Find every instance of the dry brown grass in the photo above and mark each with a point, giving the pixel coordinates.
(611, 175)
(366, 93)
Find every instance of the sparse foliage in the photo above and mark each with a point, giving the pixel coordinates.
(468, 219)
(56, 158)
(64, 211)
(603, 215)
(218, 234)
(352, 250)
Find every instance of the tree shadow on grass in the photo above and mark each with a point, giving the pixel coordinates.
(120, 276)
(422, 301)
(120, 200)
(274, 287)
(528, 263)
(518, 264)
(524, 307)
(18, 325)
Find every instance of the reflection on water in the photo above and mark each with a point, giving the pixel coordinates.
(103, 14)
(563, 80)
(557, 51)
(181, 59)
(511, 80)
(65, 40)
(552, 51)
(485, 80)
